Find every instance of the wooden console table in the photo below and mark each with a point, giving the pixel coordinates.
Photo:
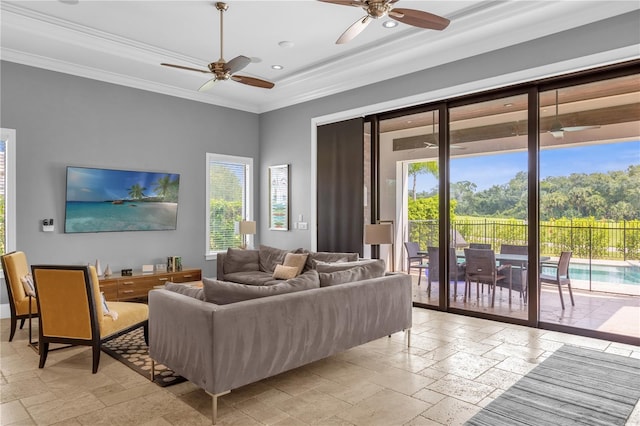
(118, 287)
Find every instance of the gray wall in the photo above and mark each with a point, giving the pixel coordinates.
(63, 120)
(285, 134)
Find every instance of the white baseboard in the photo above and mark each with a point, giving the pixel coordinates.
(5, 311)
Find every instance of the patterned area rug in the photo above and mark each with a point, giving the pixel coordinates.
(574, 386)
(131, 350)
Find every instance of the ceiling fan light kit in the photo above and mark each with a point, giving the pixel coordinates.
(223, 70)
(377, 9)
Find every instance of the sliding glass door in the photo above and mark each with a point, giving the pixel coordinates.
(489, 206)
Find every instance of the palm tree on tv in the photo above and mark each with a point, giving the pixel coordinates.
(162, 186)
(137, 191)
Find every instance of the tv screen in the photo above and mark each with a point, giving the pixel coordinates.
(104, 200)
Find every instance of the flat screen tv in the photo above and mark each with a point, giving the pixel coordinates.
(105, 200)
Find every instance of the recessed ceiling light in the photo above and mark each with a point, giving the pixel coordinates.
(390, 24)
(286, 44)
(508, 105)
(277, 67)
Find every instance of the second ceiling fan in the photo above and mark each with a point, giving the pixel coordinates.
(377, 9)
(223, 70)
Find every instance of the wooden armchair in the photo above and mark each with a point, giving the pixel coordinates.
(72, 311)
(15, 267)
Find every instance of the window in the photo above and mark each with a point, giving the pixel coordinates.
(7, 191)
(229, 195)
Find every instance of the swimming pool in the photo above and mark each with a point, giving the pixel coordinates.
(605, 273)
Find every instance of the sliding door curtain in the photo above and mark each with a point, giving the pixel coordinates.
(340, 186)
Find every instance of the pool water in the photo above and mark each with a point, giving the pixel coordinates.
(605, 273)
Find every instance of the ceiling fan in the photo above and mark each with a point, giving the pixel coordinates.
(377, 9)
(432, 141)
(557, 129)
(223, 70)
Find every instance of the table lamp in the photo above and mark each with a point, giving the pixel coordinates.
(380, 233)
(246, 227)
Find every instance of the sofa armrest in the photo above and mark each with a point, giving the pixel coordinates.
(181, 334)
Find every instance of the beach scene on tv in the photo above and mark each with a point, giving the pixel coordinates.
(104, 200)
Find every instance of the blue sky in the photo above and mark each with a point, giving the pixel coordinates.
(488, 170)
(85, 184)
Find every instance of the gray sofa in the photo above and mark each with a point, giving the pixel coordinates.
(223, 347)
(256, 267)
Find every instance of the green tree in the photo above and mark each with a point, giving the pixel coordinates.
(415, 169)
(162, 186)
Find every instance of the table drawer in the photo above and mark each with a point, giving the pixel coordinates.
(186, 276)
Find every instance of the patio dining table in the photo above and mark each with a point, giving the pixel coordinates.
(521, 260)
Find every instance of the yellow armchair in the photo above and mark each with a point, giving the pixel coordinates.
(71, 310)
(15, 267)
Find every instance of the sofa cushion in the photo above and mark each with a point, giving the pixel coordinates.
(222, 292)
(377, 264)
(324, 256)
(363, 271)
(296, 259)
(271, 256)
(285, 272)
(250, 277)
(240, 260)
(187, 290)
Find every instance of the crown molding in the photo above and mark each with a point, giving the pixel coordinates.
(473, 31)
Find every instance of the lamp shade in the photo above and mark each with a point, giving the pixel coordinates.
(247, 227)
(380, 233)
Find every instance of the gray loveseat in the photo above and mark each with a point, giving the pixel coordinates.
(222, 347)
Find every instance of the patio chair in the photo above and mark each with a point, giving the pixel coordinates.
(481, 268)
(480, 246)
(561, 277)
(72, 310)
(415, 260)
(434, 268)
(519, 269)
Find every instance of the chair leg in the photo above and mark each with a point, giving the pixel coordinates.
(22, 323)
(44, 351)
(96, 357)
(145, 329)
(561, 298)
(419, 276)
(571, 294)
(493, 297)
(14, 323)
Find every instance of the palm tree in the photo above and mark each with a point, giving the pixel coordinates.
(136, 191)
(162, 186)
(416, 169)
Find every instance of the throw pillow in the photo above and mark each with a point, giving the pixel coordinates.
(285, 272)
(358, 273)
(222, 292)
(187, 290)
(240, 260)
(270, 257)
(296, 259)
(29, 286)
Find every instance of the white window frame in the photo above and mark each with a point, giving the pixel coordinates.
(9, 137)
(248, 202)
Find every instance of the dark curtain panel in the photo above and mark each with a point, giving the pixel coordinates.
(340, 186)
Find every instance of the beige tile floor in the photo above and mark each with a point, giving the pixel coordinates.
(455, 366)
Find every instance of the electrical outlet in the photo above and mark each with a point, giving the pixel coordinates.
(303, 225)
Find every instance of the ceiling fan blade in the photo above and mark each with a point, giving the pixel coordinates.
(251, 81)
(186, 68)
(355, 29)
(236, 64)
(578, 128)
(418, 18)
(345, 2)
(208, 85)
